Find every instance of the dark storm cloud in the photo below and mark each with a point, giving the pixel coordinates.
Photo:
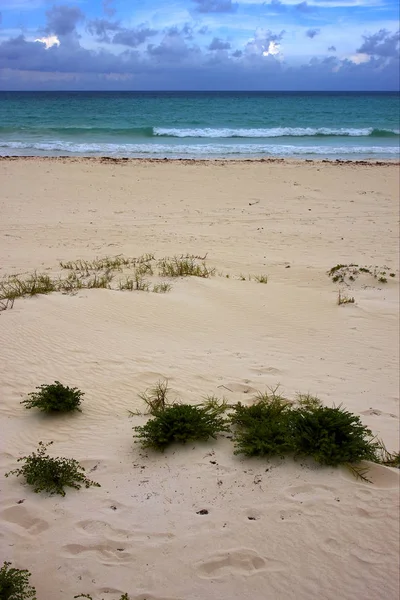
(62, 20)
(111, 32)
(311, 33)
(186, 31)
(173, 49)
(218, 44)
(382, 43)
(215, 6)
(176, 63)
(102, 28)
(133, 37)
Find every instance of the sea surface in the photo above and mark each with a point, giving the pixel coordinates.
(201, 124)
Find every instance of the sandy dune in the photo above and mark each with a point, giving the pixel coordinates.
(275, 530)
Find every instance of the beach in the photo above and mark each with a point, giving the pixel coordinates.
(275, 529)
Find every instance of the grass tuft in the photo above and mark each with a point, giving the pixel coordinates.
(161, 288)
(344, 299)
(155, 398)
(16, 287)
(261, 278)
(52, 475)
(184, 266)
(54, 398)
(99, 281)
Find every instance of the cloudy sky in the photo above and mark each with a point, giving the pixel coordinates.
(199, 44)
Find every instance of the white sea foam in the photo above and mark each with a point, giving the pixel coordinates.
(226, 132)
(190, 150)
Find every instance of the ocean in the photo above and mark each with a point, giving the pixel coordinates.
(201, 124)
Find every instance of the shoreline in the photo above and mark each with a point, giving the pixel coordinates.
(141, 160)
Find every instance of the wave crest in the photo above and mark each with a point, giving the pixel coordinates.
(226, 132)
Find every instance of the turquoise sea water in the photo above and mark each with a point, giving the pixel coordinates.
(200, 124)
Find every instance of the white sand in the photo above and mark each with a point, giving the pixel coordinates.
(314, 532)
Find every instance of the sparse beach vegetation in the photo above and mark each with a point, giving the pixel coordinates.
(180, 423)
(14, 584)
(156, 398)
(184, 266)
(54, 398)
(341, 273)
(261, 278)
(47, 474)
(344, 299)
(100, 273)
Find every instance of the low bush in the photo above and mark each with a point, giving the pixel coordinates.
(180, 423)
(54, 398)
(331, 436)
(14, 584)
(52, 475)
(263, 429)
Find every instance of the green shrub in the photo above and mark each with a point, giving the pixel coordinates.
(51, 475)
(180, 423)
(54, 398)
(262, 429)
(331, 436)
(14, 584)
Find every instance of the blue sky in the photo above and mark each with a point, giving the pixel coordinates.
(199, 44)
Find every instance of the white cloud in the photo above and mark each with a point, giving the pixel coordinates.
(272, 50)
(359, 58)
(51, 40)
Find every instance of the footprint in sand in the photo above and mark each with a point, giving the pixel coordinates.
(21, 517)
(378, 413)
(237, 561)
(310, 493)
(261, 370)
(108, 553)
(146, 596)
(101, 528)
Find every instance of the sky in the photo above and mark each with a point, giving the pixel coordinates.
(199, 45)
